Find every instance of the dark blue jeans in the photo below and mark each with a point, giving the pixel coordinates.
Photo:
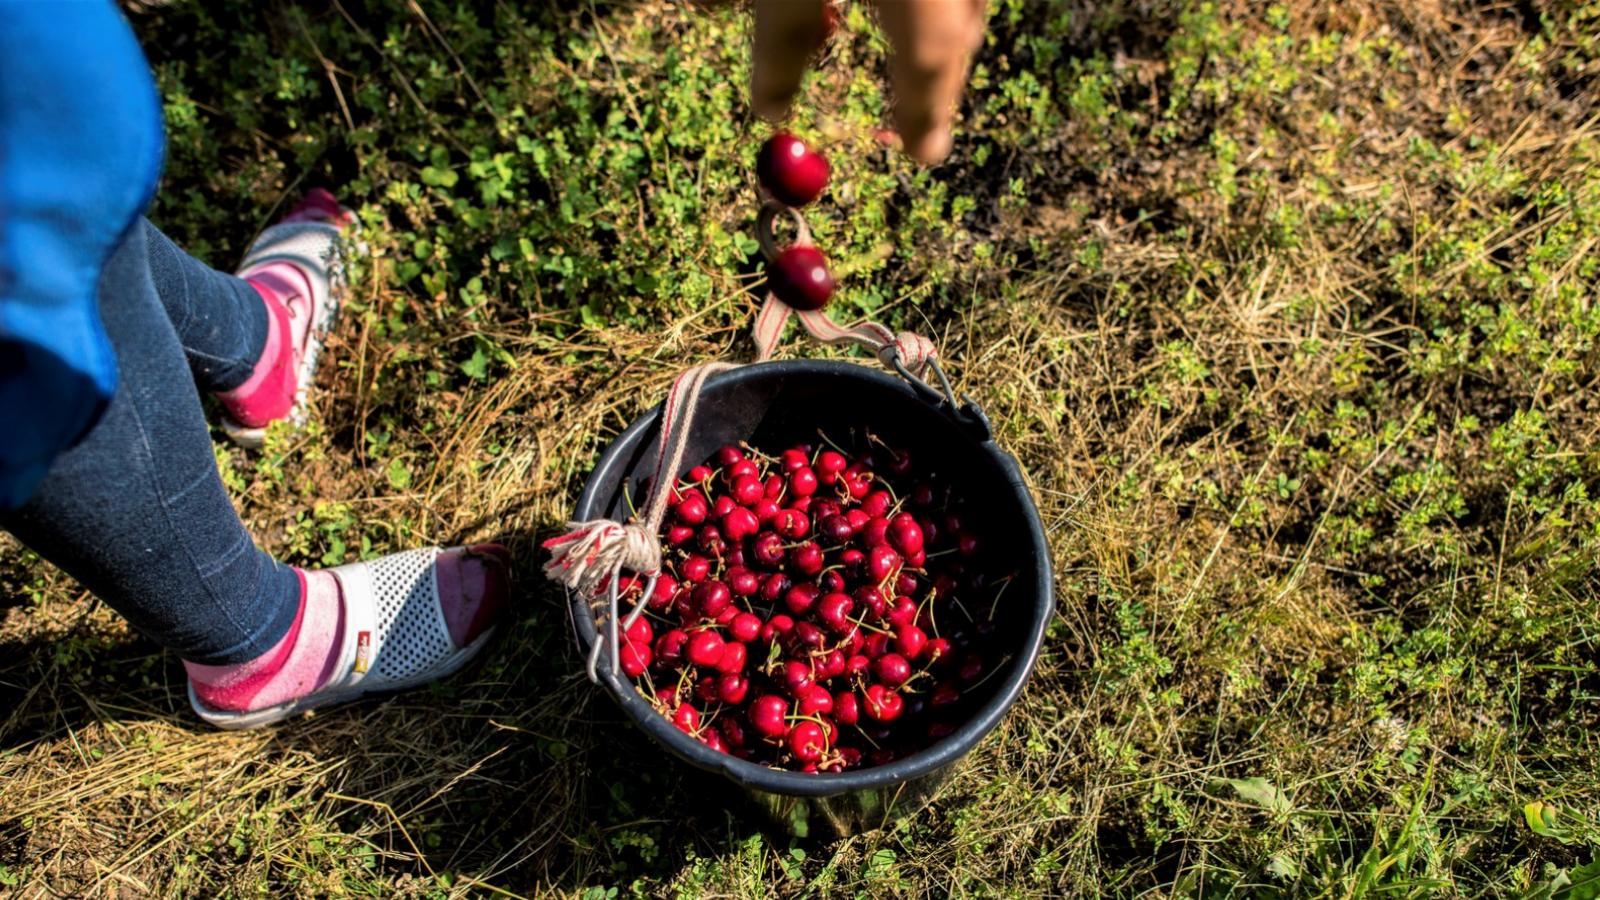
(135, 511)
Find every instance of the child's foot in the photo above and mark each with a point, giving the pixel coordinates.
(397, 622)
(295, 266)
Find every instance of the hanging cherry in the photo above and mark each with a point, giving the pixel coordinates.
(790, 170)
(800, 277)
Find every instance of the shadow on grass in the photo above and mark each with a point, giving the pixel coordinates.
(516, 772)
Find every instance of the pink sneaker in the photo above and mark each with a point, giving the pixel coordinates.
(297, 267)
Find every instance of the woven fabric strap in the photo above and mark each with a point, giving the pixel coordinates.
(592, 556)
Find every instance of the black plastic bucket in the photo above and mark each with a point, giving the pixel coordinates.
(779, 403)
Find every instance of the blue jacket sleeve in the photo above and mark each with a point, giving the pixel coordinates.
(80, 153)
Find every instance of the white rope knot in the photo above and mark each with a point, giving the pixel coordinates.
(913, 350)
(592, 552)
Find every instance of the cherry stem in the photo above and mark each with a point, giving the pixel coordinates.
(764, 236)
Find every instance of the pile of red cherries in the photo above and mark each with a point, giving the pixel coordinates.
(793, 175)
(817, 610)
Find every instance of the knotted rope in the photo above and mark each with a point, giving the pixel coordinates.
(591, 557)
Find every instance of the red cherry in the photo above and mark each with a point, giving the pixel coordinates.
(806, 558)
(910, 640)
(745, 627)
(768, 549)
(740, 469)
(803, 482)
(800, 598)
(857, 664)
(766, 510)
(710, 540)
(939, 650)
(728, 454)
(640, 631)
(905, 535)
(679, 534)
(813, 700)
(776, 628)
(635, 658)
(748, 489)
(669, 647)
(891, 669)
(846, 708)
(831, 582)
(905, 583)
(713, 739)
(883, 704)
(876, 645)
(793, 459)
(829, 465)
(903, 612)
(704, 648)
(687, 718)
(773, 487)
(807, 742)
(790, 170)
(767, 714)
(776, 585)
(876, 504)
(712, 598)
(835, 529)
(743, 582)
(692, 510)
(722, 505)
(732, 689)
(800, 277)
(882, 562)
(661, 597)
(792, 524)
(694, 569)
(834, 611)
(832, 665)
(876, 533)
(872, 600)
(740, 524)
(727, 615)
(798, 676)
(854, 562)
(809, 636)
(706, 689)
(733, 658)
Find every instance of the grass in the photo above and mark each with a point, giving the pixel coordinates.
(1289, 313)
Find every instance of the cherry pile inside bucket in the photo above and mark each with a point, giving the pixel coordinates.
(818, 610)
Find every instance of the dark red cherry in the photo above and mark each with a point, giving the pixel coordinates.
(791, 171)
(800, 278)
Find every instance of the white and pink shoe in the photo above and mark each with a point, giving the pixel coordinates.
(297, 267)
(393, 623)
